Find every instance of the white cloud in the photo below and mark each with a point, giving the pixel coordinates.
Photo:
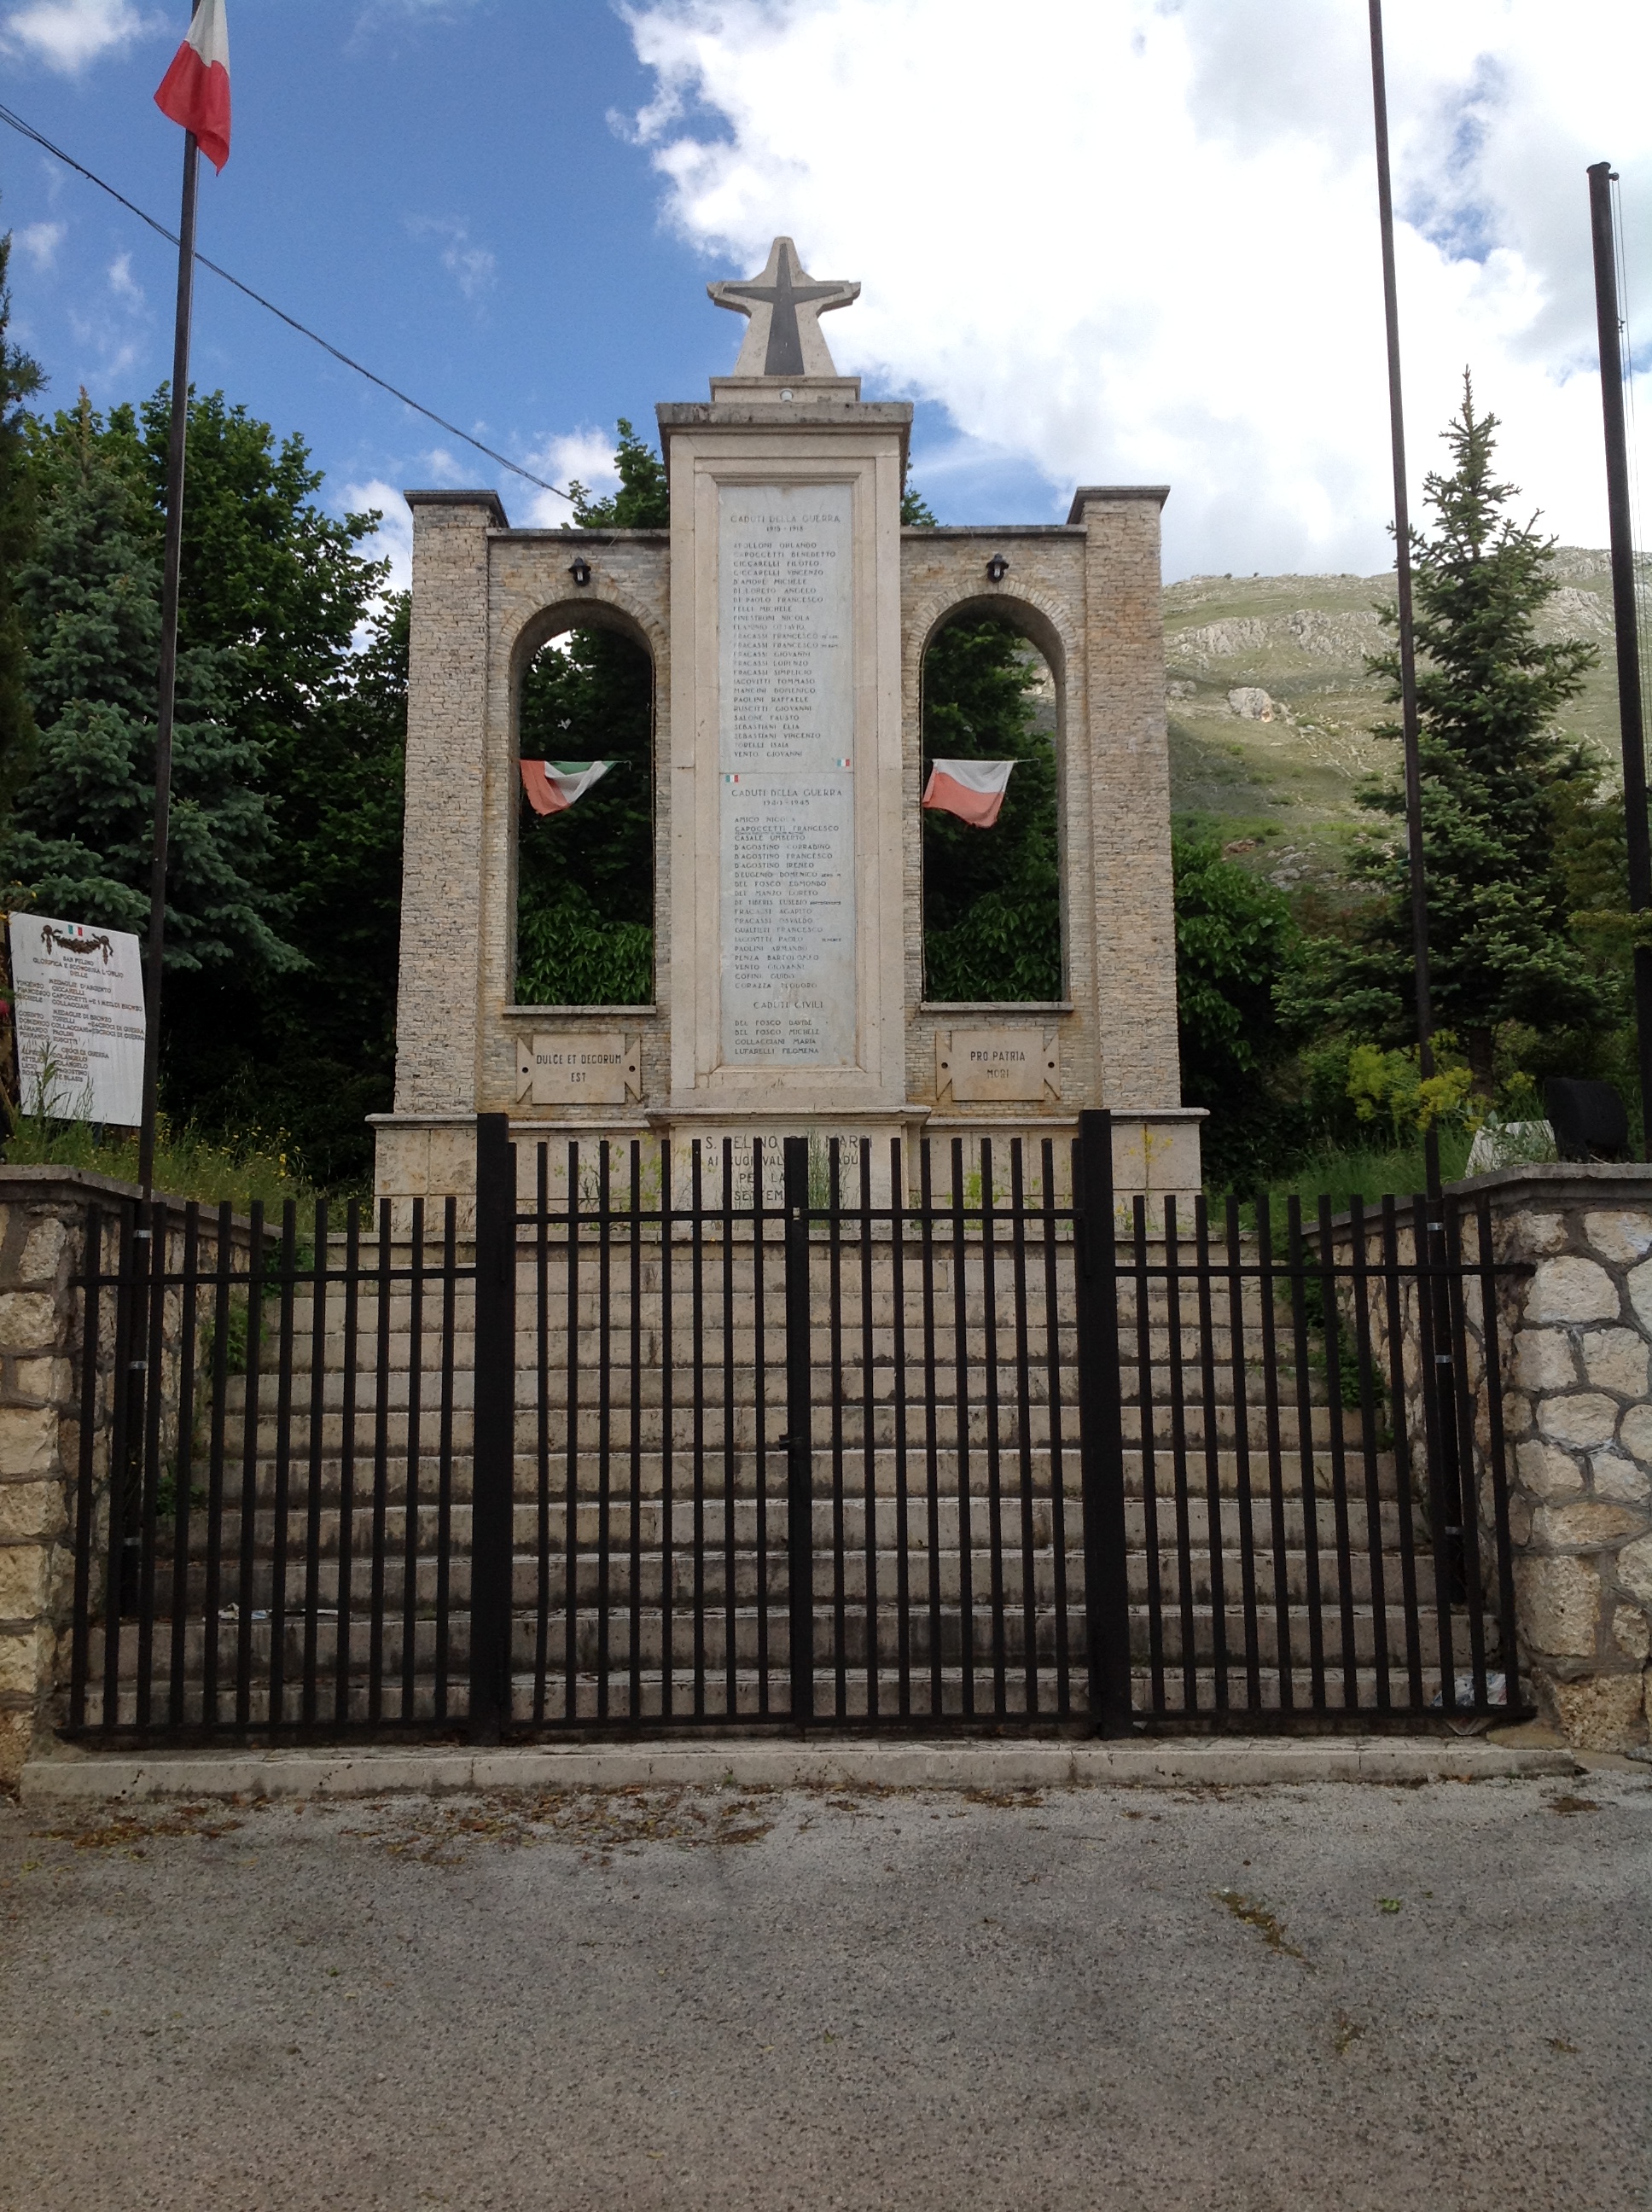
(393, 539)
(1125, 240)
(472, 267)
(587, 453)
(68, 35)
(40, 241)
(123, 283)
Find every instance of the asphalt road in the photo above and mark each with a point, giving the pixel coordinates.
(1345, 1996)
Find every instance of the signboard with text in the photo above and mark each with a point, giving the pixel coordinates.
(79, 997)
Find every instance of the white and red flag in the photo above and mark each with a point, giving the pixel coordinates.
(973, 790)
(552, 786)
(195, 91)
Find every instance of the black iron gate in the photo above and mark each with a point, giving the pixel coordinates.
(783, 1433)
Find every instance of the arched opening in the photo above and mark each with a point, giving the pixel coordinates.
(993, 897)
(585, 877)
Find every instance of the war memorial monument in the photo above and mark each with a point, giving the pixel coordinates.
(787, 614)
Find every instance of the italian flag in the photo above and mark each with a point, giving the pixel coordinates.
(552, 786)
(195, 91)
(973, 790)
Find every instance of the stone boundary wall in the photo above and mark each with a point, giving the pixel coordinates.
(1578, 1417)
(44, 1214)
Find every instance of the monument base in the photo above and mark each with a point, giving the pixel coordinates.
(1156, 1155)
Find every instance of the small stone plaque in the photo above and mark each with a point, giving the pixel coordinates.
(577, 1068)
(979, 1066)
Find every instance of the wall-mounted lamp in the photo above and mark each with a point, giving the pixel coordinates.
(997, 568)
(580, 570)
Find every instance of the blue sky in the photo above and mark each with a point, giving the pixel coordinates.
(1100, 240)
(451, 195)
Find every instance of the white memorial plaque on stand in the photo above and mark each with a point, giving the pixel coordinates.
(79, 997)
(787, 686)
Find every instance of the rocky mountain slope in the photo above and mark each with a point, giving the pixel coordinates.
(1271, 709)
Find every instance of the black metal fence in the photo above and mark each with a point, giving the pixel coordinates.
(769, 1434)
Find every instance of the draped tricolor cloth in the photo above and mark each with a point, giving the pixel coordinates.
(971, 789)
(195, 91)
(552, 786)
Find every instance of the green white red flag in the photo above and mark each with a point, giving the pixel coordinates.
(552, 786)
(195, 91)
(971, 789)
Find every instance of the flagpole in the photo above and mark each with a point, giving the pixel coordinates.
(174, 557)
(1408, 717)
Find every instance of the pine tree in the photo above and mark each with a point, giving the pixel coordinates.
(20, 379)
(79, 837)
(1497, 776)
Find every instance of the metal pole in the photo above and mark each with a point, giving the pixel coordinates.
(1402, 566)
(168, 668)
(1624, 616)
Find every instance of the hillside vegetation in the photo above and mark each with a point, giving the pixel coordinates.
(1271, 710)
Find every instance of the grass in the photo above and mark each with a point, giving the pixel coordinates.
(1369, 1173)
(187, 1164)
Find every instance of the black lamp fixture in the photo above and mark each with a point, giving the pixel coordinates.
(997, 568)
(581, 569)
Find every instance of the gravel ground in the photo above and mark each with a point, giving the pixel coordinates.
(1344, 1997)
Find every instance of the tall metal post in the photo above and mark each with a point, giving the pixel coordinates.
(168, 674)
(493, 1473)
(1100, 1431)
(1625, 615)
(1402, 567)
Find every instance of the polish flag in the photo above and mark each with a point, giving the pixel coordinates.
(195, 91)
(973, 790)
(552, 786)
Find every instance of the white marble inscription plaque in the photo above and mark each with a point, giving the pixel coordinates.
(977, 1064)
(571, 1069)
(786, 761)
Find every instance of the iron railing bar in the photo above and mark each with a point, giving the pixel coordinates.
(604, 1418)
(1496, 1466)
(1217, 1534)
(148, 1483)
(445, 1457)
(667, 1440)
(1058, 1479)
(902, 1504)
(280, 1501)
(1438, 1474)
(1175, 1273)
(250, 1415)
(307, 1701)
(697, 1312)
(380, 1473)
(834, 1367)
(542, 1423)
(1467, 1488)
(1306, 1454)
(85, 1492)
(1339, 1464)
(1242, 1481)
(932, 1438)
(731, 1618)
(1030, 1689)
(1282, 1623)
(415, 1458)
(994, 1456)
(961, 1356)
(571, 1530)
(1403, 1474)
(1147, 1428)
(350, 1360)
(183, 1474)
(869, 1432)
(1359, 1233)
(635, 1231)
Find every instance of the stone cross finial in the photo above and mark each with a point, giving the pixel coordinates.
(785, 305)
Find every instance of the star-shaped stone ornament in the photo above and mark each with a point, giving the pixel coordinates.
(785, 304)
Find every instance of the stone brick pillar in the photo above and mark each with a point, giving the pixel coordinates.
(43, 1213)
(1578, 1417)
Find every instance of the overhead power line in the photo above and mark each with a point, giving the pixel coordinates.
(28, 131)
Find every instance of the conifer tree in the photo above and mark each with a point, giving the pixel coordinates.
(20, 378)
(1497, 775)
(79, 838)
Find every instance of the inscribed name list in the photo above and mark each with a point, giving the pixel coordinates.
(80, 1019)
(786, 759)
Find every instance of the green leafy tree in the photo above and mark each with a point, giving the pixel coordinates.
(20, 379)
(1236, 938)
(585, 891)
(1499, 779)
(916, 513)
(79, 837)
(992, 898)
